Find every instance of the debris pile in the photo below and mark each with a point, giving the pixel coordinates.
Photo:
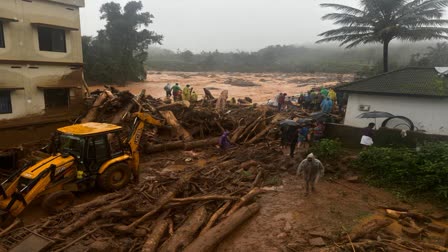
(188, 210)
(397, 230)
(188, 121)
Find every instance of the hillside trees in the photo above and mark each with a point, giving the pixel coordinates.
(118, 52)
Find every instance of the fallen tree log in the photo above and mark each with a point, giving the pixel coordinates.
(185, 233)
(179, 130)
(215, 217)
(161, 202)
(126, 109)
(99, 201)
(246, 198)
(222, 101)
(173, 105)
(249, 128)
(369, 227)
(208, 95)
(91, 216)
(154, 148)
(204, 198)
(153, 240)
(261, 134)
(207, 241)
(93, 112)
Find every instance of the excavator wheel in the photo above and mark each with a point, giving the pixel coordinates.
(115, 177)
(58, 201)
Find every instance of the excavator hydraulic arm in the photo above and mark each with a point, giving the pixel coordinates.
(136, 134)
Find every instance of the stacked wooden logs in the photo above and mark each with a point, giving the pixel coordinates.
(191, 210)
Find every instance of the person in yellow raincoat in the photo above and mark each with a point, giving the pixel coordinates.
(194, 97)
(186, 93)
(332, 95)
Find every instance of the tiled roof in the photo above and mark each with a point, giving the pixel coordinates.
(408, 81)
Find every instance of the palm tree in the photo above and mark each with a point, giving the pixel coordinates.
(381, 21)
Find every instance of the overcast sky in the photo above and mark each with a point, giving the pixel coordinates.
(226, 25)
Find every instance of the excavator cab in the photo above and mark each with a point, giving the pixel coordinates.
(91, 148)
(82, 156)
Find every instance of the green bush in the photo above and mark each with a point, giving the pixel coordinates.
(417, 172)
(327, 149)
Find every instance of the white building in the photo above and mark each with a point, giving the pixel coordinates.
(420, 94)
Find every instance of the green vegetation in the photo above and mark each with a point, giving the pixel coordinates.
(327, 149)
(381, 21)
(117, 54)
(423, 172)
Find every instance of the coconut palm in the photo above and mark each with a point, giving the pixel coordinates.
(381, 21)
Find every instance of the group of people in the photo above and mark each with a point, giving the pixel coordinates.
(301, 136)
(322, 100)
(180, 94)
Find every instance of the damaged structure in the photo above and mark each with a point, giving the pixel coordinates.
(41, 78)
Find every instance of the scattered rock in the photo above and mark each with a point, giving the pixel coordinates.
(282, 235)
(438, 216)
(317, 242)
(287, 227)
(411, 232)
(294, 245)
(353, 179)
(100, 246)
(436, 228)
(320, 234)
(301, 241)
(140, 232)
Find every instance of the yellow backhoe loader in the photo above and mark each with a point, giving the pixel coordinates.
(84, 156)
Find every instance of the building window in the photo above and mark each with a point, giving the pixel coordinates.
(56, 98)
(5, 102)
(52, 40)
(2, 36)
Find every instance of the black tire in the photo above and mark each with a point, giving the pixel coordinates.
(58, 201)
(115, 177)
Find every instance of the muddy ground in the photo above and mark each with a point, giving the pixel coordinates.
(288, 219)
(259, 86)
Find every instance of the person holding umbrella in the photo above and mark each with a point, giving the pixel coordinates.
(367, 136)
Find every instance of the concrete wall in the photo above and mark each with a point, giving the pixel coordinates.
(29, 101)
(21, 37)
(427, 114)
(351, 137)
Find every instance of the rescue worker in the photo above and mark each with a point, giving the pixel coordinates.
(186, 93)
(167, 89)
(332, 95)
(177, 92)
(194, 97)
(224, 142)
(311, 169)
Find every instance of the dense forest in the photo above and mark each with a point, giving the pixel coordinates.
(291, 58)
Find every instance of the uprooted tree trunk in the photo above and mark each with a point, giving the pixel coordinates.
(156, 235)
(179, 130)
(222, 100)
(207, 241)
(185, 234)
(368, 228)
(161, 202)
(126, 109)
(246, 198)
(91, 216)
(154, 148)
(93, 112)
